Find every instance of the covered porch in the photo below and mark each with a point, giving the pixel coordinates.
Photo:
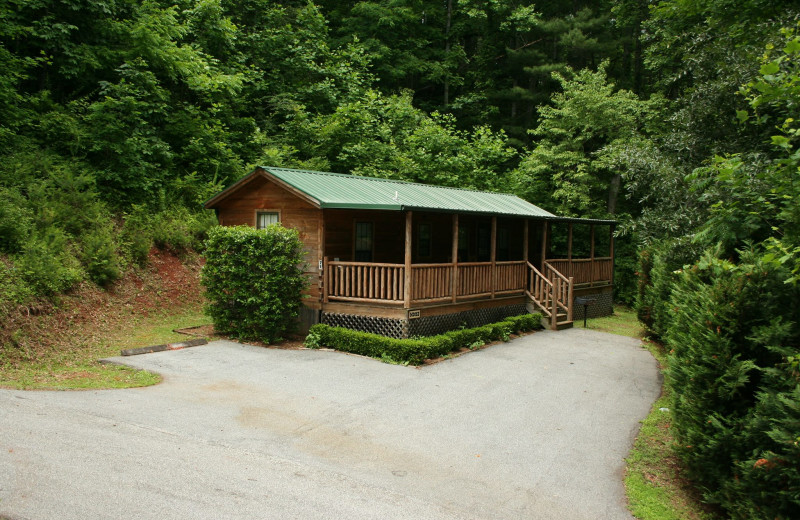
(455, 262)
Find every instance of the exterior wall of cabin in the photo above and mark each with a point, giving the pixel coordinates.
(240, 208)
(388, 234)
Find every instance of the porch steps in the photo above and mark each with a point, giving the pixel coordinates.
(561, 322)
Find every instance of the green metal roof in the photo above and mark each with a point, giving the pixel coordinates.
(334, 190)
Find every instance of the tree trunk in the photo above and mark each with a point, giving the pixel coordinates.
(447, 52)
(613, 193)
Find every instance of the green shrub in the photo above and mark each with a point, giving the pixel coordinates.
(659, 267)
(735, 384)
(47, 264)
(13, 289)
(415, 351)
(625, 268)
(180, 229)
(16, 221)
(177, 229)
(254, 281)
(99, 255)
(136, 235)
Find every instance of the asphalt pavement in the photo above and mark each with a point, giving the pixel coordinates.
(536, 428)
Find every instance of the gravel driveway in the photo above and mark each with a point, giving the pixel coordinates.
(534, 428)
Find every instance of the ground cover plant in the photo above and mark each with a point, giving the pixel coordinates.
(57, 346)
(416, 351)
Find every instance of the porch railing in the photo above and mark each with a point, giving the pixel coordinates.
(550, 289)
(361, 282)
(585, 271)
(430, 283)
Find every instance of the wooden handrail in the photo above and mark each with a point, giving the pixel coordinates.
(556, 272)
(370, 264)
(550, 293)
(536, 271)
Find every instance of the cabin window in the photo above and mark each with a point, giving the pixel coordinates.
(265, 218)
(424, 240)
(363, 242)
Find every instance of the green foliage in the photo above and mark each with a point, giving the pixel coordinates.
(13, 289)
(403, 143)
(568, 170)
(16, 220)
(254, 281)
(625, 269)
(47, 263)
(181, 229)
(660, 266)
(415, 351)
(99, 255)
(732, 344)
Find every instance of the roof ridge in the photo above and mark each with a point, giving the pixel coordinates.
(383, 179)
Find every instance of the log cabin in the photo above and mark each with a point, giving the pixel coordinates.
(405, 259)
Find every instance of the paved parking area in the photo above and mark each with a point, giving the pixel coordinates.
(534, 428)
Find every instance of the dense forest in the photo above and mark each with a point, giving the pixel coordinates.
(678, 118)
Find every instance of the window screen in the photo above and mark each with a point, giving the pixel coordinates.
(363, 245)
(463, 244)
(265, 218)
(502, 244)
(424, 240)
(484, 242)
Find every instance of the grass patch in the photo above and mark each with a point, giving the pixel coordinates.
(75, 366)
(158, 329)
(623, 323)
(655, 488)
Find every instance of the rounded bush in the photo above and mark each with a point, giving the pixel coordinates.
(254, 281)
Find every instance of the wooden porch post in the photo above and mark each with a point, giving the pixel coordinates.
(611, 240)
(407, 270)
(544, 243)
(524, 280)
(569, 244)
(326, 277)
(493, 254)
(454, 271)
(611, 251)
(591, 257)
(322, 279)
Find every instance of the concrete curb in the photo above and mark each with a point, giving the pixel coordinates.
(161, 348)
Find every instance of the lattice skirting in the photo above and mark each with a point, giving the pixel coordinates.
(424, 326)
(603, 306)
(432, 325)
(391, 327)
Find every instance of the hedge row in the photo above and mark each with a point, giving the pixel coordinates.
(254, 281)
(415, 351)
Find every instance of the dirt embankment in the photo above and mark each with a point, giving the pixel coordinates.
(89, 312)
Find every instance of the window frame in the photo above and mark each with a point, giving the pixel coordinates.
(261, 211)
(419, 240)
(371, 224)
